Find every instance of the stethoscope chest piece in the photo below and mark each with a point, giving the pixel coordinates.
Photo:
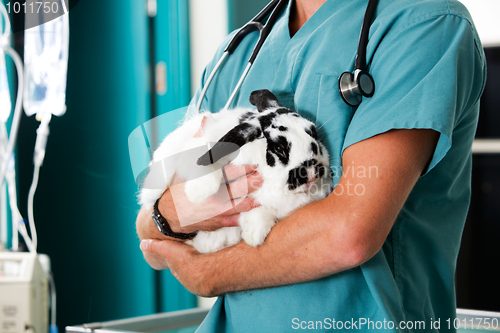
(353, 87)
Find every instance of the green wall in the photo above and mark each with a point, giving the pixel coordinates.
(172, 47)
(242, 11)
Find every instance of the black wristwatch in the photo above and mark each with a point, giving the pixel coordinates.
(164, 227)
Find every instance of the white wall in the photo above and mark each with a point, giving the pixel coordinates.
(486, 16)
(208, 27)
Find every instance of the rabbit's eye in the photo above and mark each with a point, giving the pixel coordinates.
(281, 148)
(281, 151)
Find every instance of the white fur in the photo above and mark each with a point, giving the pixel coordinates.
(276, 200)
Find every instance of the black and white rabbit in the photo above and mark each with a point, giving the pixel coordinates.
(293, 163)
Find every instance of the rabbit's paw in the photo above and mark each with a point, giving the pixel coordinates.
(199, 189)
(256, 224)
(212, 241)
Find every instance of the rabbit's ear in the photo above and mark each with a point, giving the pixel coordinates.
(230, 142)
(264, 99)
(201, 130)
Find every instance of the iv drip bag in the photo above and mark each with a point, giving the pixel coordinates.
(46, 60)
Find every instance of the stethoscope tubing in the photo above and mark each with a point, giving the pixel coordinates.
(238, 85)
(274, 8)
(207, 84)
(253, 24)
(360, 62)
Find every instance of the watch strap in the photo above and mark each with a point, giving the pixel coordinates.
(163, 226)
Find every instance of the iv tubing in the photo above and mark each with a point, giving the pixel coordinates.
(41, 142)
(31, 197)
(6, 33)
(18, 225)
(17, 112)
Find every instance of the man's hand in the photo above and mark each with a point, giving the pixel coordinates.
(185, 263)
(241, 182)
(219, 210)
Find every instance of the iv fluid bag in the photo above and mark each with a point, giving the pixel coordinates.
(5, 103)
(46, 60)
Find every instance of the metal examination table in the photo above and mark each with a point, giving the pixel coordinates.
(184, 321)
(187, 321)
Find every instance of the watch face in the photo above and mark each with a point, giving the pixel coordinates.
(158, 224)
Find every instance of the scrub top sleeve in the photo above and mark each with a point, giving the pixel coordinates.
(428, 75)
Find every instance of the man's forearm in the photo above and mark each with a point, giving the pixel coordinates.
(298, 249)
(339, 232)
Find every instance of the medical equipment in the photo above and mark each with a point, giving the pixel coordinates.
(351, 86)
(274, 7)
(23, 293)
(46, 60)
(182, 321)
(5, 107)
(46, 63)
(5, 103)
(4, 44)
(7, 169)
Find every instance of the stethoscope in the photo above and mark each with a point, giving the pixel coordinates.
(352, 85)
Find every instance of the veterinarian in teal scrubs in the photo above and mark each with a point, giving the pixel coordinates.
(380, 252)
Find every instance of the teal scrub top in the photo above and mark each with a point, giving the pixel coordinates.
(429, 69)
